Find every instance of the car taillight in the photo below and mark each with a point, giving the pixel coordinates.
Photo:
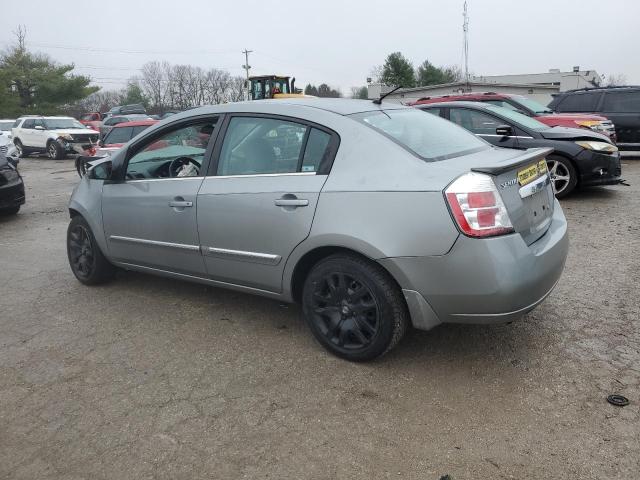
(477, 207)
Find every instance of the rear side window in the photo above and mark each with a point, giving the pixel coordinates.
(316, 151)
(259, 145)
(427, 136)
(623, 102)
(433, 111)
(579, 102)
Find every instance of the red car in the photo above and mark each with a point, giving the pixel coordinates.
(92, 119)
(531, 108)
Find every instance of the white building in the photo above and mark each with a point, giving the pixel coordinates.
(537, 86)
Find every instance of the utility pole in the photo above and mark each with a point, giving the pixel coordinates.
(465, 30)
(246, 66)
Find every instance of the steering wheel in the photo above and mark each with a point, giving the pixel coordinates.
(176, 163)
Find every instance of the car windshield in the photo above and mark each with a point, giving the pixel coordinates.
(532, 105)
(5, 125)
(517, 117)
(58, 123)
(428, 136)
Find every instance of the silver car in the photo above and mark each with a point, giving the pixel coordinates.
(373, 217)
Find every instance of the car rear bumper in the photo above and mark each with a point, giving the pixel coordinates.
(493, 280)
(599, 168)
(12, 194)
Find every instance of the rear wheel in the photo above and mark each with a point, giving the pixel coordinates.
(353, 307)
(564, 177)
(55, 150)
(85, 258)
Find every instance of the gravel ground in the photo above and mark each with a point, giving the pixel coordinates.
(154, 378)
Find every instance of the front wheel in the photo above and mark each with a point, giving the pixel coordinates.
(55, 150)
(353, 307)
(563, 175)
(87, 262)
(20, 149)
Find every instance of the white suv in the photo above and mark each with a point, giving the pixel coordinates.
(56, 136)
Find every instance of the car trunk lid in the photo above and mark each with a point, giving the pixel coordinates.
(524, 185)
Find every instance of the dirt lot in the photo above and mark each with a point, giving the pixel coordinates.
(153, 378)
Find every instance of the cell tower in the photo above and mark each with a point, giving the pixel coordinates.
(465, 30)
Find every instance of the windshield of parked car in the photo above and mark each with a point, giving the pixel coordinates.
(517, 117)
(5, 126)
(59, 123)
(532, 105)
(428, 136)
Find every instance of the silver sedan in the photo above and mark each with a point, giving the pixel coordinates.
(373, 217)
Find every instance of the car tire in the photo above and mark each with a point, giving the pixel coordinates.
(353, 307)
(564, 177)
(55, 151)
(9, 211)
(86, 260)
(22, 151)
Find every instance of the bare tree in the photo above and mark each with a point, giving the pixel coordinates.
(616, 80)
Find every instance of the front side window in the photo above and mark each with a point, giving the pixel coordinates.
(579, 102)
(622, 102)
(431, 138)
(29, 123)
(258, 145)
(175, 153)
(476, 122)
(118, 135)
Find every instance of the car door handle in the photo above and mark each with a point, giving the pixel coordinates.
(180, 204)
(292, 202)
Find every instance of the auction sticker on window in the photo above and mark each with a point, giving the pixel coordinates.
(529, 174)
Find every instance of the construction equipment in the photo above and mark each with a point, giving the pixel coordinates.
(273, 86)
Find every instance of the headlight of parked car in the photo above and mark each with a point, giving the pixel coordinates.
(598, 146)
(595, 125)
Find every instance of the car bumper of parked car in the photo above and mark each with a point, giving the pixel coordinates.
(599, 168)
(482, 281)
(12, 194)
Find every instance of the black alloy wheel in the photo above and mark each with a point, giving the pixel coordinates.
(81, 255)
(87, 262)
(345, 311)
(353, 307)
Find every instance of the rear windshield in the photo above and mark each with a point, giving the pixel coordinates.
(426, 135)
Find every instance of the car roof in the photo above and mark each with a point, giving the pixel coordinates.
(465, 95)
(601, 89)
(457, 104)
(45, 117)
(138, 123)
(340, 106)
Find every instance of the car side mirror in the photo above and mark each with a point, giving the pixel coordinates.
(504, 130)
(102, 171)
(39, 127)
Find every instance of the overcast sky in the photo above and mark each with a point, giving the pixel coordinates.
(337, 42)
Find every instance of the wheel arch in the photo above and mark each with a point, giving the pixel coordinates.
(305, 263)
(571, 160)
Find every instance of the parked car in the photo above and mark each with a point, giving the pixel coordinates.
(581, 158)
(55, 136)
(531, 108)
(371, 216)
(92, 120)
(6, 126)
(11, 185)
(620, 104)
(112, 121)
(132, 109)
